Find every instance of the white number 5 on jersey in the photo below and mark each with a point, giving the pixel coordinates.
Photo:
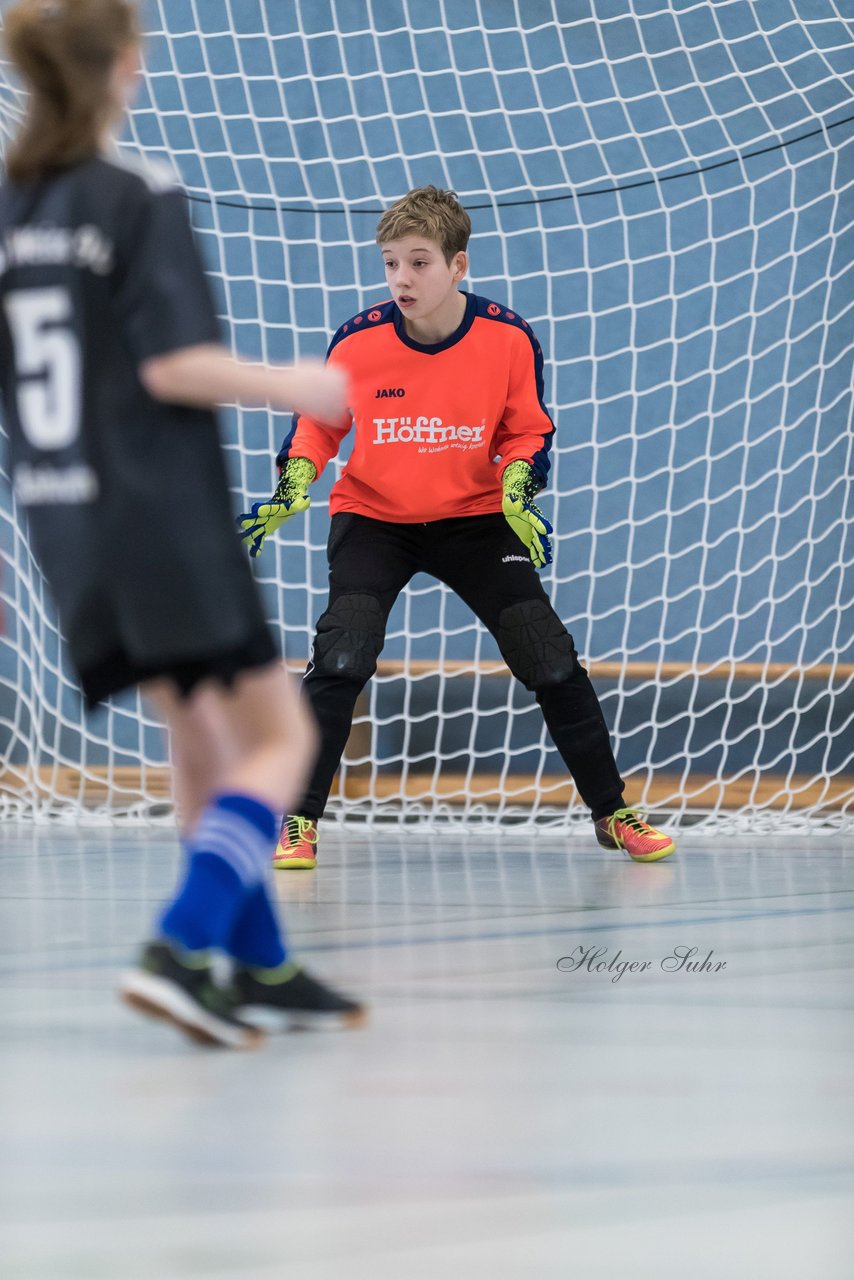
(47, 364)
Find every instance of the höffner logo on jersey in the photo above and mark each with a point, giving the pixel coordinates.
(427, 431)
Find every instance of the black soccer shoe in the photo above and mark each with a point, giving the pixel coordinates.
(179, 987)
(290, 991)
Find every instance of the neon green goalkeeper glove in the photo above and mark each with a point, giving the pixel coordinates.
(291, 497)
(525, 519)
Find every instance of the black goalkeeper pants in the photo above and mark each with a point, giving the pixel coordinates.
(482, 560)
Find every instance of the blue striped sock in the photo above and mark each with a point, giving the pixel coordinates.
(257, 938)
(228, 854)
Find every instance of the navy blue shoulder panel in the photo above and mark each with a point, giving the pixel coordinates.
(541, 461)
(379, 313)
(285, 448)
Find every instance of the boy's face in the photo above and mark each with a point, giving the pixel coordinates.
(422, 283)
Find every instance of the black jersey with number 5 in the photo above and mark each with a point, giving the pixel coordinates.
(127, 498)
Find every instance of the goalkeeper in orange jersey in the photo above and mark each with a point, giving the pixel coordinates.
(452, 442)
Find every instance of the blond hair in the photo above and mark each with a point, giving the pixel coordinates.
(65, 50)
(429, 212)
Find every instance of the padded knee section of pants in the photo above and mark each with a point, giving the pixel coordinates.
(536, 645)
(349, 637)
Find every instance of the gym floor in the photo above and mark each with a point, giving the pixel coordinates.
(509, 1110)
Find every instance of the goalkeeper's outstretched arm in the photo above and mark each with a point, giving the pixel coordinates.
(520, 483)
(309, 445)
(207, 376)
(290, 498)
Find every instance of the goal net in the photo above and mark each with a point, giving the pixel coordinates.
(665, 191)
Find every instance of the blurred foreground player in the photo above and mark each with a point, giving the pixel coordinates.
(451, 446)
(111, 362)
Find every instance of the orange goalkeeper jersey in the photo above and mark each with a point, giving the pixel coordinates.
(434, 425)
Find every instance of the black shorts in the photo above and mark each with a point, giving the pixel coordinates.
(117, 671)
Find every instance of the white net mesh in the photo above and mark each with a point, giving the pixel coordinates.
(666, 192)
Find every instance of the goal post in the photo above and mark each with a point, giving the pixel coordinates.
(666, 193)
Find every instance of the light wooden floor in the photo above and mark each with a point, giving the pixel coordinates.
(499, 1117)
